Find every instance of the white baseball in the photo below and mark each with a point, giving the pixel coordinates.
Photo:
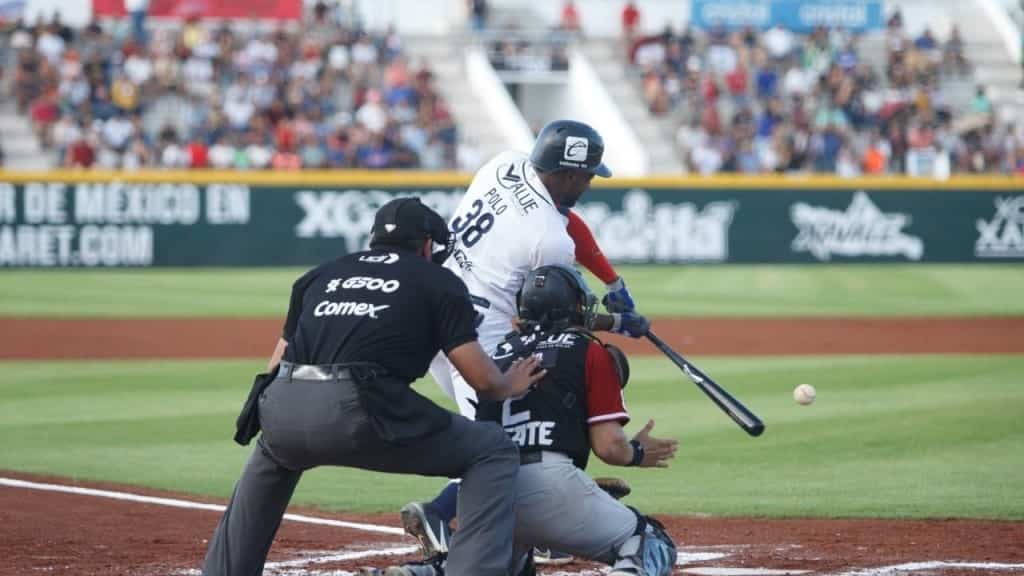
(804, 394)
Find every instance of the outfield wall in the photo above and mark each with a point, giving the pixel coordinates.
(102, 219)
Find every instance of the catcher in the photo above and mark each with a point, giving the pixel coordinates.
(576, 408)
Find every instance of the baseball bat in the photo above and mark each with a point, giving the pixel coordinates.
(740, 414)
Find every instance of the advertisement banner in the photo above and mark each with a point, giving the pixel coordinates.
(225, 9)
(55, 223)
(797, 15)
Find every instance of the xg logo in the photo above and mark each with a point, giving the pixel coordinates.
(349, 213)
(1003, 235)
(364, 282)
(576, 148)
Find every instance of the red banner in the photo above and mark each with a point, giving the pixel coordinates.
(226, 9)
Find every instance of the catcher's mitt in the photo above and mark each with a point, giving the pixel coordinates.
(617, 487)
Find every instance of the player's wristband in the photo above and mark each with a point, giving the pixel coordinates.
(615, 285)
(638, 453)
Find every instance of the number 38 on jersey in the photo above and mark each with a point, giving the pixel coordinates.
(471, 226)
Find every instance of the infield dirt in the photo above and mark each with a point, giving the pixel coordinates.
(56, 533)
(28, 338)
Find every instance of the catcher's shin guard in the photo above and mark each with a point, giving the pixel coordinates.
(650, 551)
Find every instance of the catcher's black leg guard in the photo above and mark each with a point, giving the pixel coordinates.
(650, 551)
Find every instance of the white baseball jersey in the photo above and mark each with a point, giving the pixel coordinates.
(505, 226)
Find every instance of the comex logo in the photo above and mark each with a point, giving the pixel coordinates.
(576, 148)
(861, 230)
(1003, 235)
(328, 308)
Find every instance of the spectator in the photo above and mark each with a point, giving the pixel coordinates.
(117, 132)
(312, 153)
(285, 159)
(66, 131)
(50, 44)
(222, 153)
(630, 22)
(137, 12)
(137, 155)
(570, 19)
(198, 153)
(478, 14)
(82, 153)
(372, 114)
(257, 155)
(779, 42)
(876, 155)
(124, 95)
(44, 114)
(172, 153)
(980, 104)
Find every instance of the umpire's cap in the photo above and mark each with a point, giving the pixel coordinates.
(555, 298)
(565, 144)
(404, 221)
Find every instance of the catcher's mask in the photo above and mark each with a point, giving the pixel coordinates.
(556, 298)
(407, 222)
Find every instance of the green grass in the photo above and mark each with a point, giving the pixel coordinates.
(888, 436)
(858, 290)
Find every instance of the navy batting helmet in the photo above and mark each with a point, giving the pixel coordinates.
(555, 298)
(565, 144)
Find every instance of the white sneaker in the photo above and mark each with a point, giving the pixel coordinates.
(430, 529)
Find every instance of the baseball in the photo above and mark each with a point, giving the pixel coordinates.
(804, 394)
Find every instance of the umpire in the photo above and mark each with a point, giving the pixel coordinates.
(359, 330)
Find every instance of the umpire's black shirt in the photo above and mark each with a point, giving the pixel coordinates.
(390, 307)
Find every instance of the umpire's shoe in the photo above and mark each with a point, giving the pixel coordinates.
(549, 557)
(430, 567)
(431, 530)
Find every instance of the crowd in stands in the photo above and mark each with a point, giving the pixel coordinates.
(321, 94)
(515, 46)
(326, 93)
(759, 102)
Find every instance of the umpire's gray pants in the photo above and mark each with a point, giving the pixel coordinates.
(314, 423)
(558, 506)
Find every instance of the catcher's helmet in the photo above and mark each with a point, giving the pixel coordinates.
(407, 220)
(555, 298)
(567, 144)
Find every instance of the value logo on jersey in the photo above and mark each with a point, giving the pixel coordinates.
(576, 148)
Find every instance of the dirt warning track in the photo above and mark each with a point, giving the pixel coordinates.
(98, 530)
(33, 338)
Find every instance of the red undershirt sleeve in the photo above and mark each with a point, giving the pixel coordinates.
(604, 395)
(588, 253)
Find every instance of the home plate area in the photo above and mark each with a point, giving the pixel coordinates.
(49, 525)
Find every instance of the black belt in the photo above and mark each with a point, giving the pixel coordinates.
(346, 371)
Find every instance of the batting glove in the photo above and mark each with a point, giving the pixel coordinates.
(630, 324)
(618, 298)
